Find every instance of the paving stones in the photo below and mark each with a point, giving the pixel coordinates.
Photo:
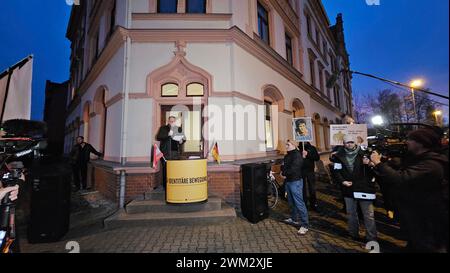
(327, 235)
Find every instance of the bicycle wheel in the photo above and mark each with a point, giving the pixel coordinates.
(272, 195)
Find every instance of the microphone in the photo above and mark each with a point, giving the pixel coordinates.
(180, 130)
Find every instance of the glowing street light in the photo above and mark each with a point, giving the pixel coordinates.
(415, 84)
(377, 120)
(437, 114)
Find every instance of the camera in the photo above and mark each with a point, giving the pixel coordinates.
(21, 141)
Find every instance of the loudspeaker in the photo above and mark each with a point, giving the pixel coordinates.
(50, 203)
(254, 203)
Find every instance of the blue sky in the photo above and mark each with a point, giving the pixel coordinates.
(399, 39)
(36, 27)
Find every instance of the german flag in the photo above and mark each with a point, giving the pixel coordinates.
(215, 153)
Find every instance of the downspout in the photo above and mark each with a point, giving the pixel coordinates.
(126, 88)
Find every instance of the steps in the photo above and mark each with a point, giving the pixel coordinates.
(154, 211)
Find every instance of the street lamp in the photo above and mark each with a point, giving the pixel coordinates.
(415, 84)
(377, 120)
(436, 114)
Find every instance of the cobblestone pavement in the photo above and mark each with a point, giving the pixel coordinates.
(327, 235)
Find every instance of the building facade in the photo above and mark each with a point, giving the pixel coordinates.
(233, 72)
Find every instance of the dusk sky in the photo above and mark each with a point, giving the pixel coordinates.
(399, 40)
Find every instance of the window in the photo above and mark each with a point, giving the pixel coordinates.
(289, 55)
(327, 78)
(196, 6)
(318, 38)
(268, 125)
(337, 101)
(167, 6)
(308, 25)
(112, 18)
(313, 72)
(263, 23)
(321, 78)
(169, 90)
(195, 89)
(325, 46)
(332, 63)
(96, 45)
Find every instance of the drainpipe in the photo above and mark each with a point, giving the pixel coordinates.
(126, 88)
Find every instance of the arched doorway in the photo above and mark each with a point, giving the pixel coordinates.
(298, 109)
(181, 83)
(317, 128)
(326, 133)
(101, 112)
(86, 119)
(273, 104)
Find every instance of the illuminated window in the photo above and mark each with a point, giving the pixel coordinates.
(268, 125)
(195, 89)
(169, 90)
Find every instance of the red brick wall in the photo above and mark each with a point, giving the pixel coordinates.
(226, 185)
(138, 184)
(107, 183)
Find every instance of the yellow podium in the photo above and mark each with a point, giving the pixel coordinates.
(187, 181)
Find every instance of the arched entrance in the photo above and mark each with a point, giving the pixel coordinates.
(298, 109)
(101, 112)
(86, 119)
(181, 89)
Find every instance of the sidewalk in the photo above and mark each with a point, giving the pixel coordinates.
(327, 234)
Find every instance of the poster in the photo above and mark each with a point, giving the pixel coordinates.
(339, 131)
(302, 129)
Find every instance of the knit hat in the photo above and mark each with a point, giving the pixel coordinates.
(427, 137)
(349, 138)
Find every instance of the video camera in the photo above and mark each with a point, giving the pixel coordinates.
(19, 139)
(390, 141)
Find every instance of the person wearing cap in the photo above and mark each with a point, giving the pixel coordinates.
(353, 172)
(421, 187)
(291, 171)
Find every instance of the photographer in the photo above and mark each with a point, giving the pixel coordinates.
(352, 171)
(420, 186)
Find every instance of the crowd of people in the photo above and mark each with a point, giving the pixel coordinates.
(418, 188)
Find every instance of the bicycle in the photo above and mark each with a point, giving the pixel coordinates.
(274, 189)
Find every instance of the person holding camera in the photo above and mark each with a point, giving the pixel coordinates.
(421, 189)
(80, 156)
(352, 171)
(13, 192)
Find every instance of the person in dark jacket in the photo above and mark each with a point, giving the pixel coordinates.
(352, 170)
(309, 175)
(80, 155)
(168, 144)
(420, 186)
(292, 173)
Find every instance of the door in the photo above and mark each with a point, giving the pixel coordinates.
(191, 122)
